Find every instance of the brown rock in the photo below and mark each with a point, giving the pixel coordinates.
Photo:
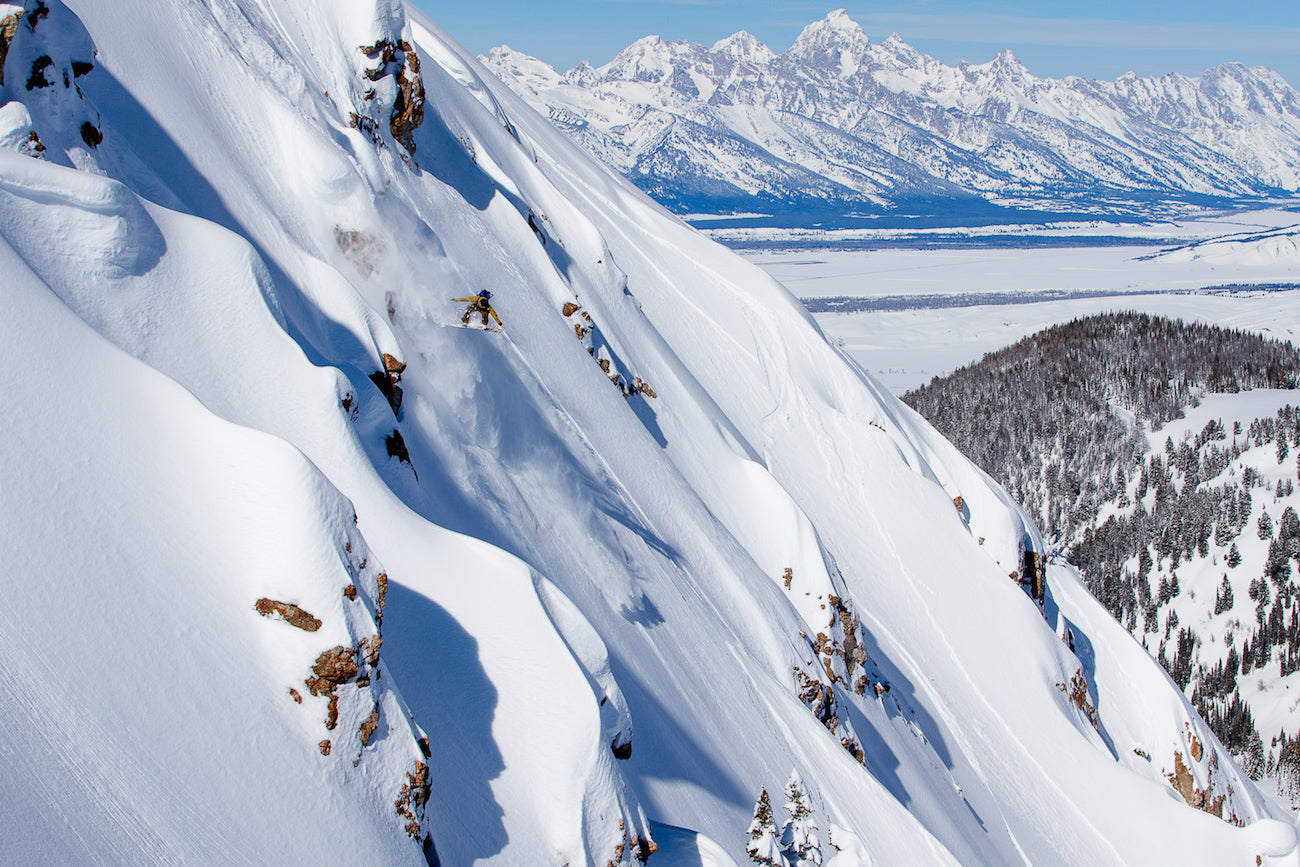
(368, 726)
(324, 747)
(393, 367)
(408, 107)
(333, 667)
(369, 648)
(1181, 779)
(8, 27)
(413, 796)
(297, 696)
(288, 612)
(350, 591)
(569, 308)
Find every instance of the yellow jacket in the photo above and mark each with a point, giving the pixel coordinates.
(482, 305)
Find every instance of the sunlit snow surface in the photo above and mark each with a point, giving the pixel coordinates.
(196, 306)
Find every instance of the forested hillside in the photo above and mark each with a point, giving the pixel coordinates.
(1065, 420)
(1051, 416)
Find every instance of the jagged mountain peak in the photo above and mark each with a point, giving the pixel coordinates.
(836, 21)
(584, 74)
(1006, 61)
(651, 58)
(836, 44)
(744, 46)
(895, 125)
(529, 72)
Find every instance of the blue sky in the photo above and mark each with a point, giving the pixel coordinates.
(1099, 39)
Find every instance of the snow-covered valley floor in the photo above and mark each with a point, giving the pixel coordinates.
(905, 348)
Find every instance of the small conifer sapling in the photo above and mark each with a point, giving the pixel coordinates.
(764, 848)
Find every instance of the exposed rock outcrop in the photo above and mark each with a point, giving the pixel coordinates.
(1077, 693)
(399, 60)
(288, 612)
(333, 668)
(412, 797)
(8, 27)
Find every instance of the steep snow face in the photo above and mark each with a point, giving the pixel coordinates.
(645, 551)
(989, 130)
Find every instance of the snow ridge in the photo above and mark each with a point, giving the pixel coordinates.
(868, 126)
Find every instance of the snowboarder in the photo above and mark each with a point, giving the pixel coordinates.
(482, 303)
(537, 230)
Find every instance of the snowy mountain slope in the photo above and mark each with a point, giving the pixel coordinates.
(923, 130)
(152, 718)
(1249, 248)
(606, 603)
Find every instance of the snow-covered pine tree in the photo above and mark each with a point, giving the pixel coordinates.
(799, 838)
(1223, 598)
(764, 848)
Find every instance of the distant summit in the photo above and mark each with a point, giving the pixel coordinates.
(838, 124)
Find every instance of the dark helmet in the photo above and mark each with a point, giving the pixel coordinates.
(485, 294)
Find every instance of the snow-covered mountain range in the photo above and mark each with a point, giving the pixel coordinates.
(838, 124)
(300, 570)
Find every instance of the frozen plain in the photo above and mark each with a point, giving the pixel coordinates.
(1164, 272)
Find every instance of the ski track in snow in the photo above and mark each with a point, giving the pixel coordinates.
(970, 749)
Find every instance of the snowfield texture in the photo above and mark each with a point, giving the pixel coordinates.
(837, 122)
(307, 572)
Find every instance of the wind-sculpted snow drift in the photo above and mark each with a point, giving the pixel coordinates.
(263, 610)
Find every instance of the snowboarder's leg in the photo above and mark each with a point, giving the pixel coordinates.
(485, 317)
(464, 320)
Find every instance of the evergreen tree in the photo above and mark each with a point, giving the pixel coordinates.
(799, 838)
(1234, 557)
(1223, 599)
(764, 848)
(1264, 528)
(1253, 760)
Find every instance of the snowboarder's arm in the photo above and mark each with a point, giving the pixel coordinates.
(494, 315)
(470, 298)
